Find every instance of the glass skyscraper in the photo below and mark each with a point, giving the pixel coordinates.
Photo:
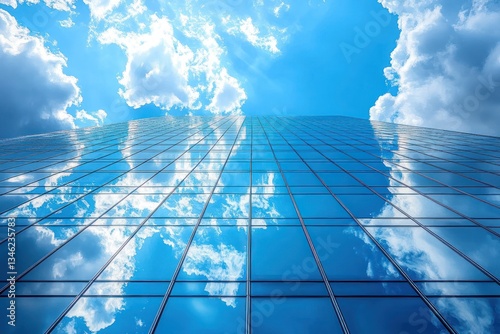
(250, 225)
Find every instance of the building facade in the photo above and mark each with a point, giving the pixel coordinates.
(250, 225)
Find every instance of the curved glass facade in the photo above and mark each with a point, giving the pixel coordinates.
(250, 225)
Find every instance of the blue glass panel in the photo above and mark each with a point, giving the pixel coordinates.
(423, 256)
(159, 245)
(279, 289)
(460, 288)
(33, 244)
(203, 315)
(470, 315)
(468, 206)
(47, 309)
(216, 254)
(347, 253)
(389, 315)
(477, 243)
(282, 253)
(228, 206)
(372, 289)
(106, 315)
(369, 206)
(272, 206)
(76, 260)
(320, 206)
(293, 315)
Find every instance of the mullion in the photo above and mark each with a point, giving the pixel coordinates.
(99, 187)
(467, 258)
(80, 231)
(420, 193)
(389, 257)
(168, 293)
(331, 295)
(85, 289)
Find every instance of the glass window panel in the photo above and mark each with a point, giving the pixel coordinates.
(182, 206)
(309, 190)
(293, 166)
(348, 254)
(341, 289)
(369, 206)
(279, 289)
(203, 315)
(468, 206)
(388, 222)
(272, 206)
(76, 260)
(234, 179)
(422, 256)
(48, 288)
(459, 288)
(294, 316)
(47, 309)
(389, 315)
(123, 288)
(269, 179)
(107, 315)
(338, 179)
(228, 206)
(470, 315)
(282, 253)
(209, 289)
(34, 243)
(480, 245)
(264, 166)
(216, 254)
(329, 222)
(445, 222)
(302, 179)
(152, 254)
(319, 206)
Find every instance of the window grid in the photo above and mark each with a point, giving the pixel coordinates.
(381, 191)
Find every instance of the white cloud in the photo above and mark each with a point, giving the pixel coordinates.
(446, 66)
(34, 91)
(157, 69)
(280, 8)
(61, 5)
(228, 95)
(252, 34)
(100, 8)
(96, 118)
(68, 23)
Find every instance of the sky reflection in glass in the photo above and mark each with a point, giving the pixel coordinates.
(253, 225)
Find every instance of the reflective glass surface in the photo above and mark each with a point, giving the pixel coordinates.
(250, 225)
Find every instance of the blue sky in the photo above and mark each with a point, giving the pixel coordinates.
(68, 63)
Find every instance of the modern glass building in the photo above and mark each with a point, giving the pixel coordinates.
(250, 225)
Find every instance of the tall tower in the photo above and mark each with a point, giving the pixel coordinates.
(250, 225)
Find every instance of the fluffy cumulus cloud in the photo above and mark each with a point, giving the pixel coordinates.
(446, 66)
(254, 36)
(34, 90)
(100, 8)
(96, 118)
(166, 72)
(178, 56)
(62, 5)
(158, 65)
